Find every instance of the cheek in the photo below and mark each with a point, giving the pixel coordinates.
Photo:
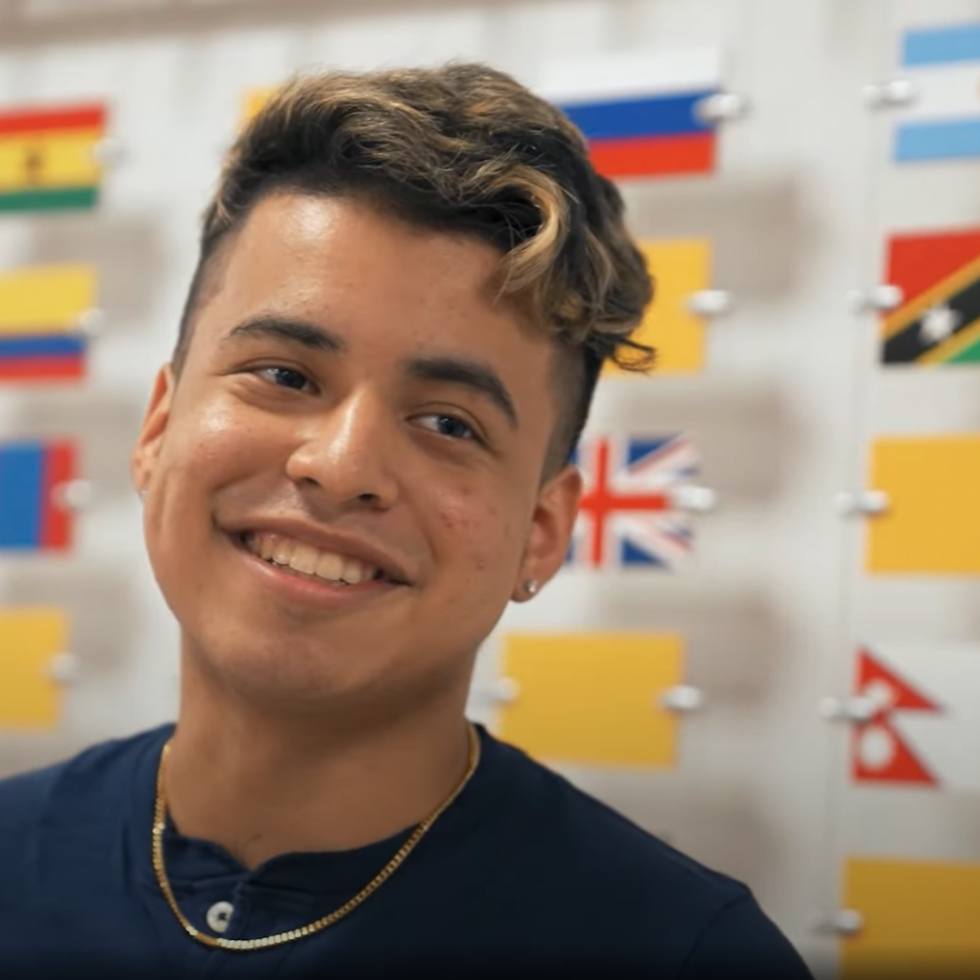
(209, 446)
(478, 529)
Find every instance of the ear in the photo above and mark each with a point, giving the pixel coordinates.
(551, 531)
(155, 421)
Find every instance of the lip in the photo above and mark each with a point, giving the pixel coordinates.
(309, 591)
(325, 540)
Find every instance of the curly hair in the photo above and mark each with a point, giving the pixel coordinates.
(461, 148)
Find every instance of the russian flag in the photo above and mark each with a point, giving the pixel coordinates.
(944, 121)
(639, 112)
(31, 517)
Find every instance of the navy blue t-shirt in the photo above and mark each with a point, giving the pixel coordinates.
(523, 875)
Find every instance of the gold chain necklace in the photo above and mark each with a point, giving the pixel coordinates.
(160, 820)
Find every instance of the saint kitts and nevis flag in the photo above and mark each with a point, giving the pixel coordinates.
(41, 310)
(48, 157)
(938, 322)
(641, 113)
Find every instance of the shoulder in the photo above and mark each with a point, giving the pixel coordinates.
(605, 842)
(90, 779)
(644, 895)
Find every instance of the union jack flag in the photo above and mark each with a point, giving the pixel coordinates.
(627, 516)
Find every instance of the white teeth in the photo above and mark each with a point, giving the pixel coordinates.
(330, 566)
(282, 550)
(304, 559)
(308, 560)
(354, 572)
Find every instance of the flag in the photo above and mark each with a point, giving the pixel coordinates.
(32, 517)
(939, 319)
(879, 751)
(593, 698)
(943, 122)
(640, 112)
(919, 919)
(30, 639)
(927, 727)
(679, 269)
(932, 524)
(47, 157)
(626, 516)
(255, 99)
(40, 313)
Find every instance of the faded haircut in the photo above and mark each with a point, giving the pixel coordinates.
(465, 149)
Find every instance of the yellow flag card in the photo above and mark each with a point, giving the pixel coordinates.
(919, 919)
(254, 100)
(46, 299)
(593, 698)
(932, 524)
(679, 269)
(48, 157)
(29, 640)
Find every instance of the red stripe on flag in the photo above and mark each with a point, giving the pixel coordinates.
(918, 262)
(66, 367)
(59, 468)
(42, 120)
(602, 502)
(654, 156)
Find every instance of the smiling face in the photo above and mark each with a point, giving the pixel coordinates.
(344, 488)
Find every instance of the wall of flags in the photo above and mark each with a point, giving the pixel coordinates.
(765, 645)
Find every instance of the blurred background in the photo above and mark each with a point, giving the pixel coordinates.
(766, 645)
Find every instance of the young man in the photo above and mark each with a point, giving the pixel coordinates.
(408, 282)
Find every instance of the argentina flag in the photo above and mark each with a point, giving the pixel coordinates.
(944, 121)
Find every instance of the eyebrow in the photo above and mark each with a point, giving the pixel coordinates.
(474, 375)
(469, 374)
(302, 332)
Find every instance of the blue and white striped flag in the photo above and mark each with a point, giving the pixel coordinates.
(944, 121)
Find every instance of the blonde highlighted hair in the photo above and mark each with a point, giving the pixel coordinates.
(462, 148)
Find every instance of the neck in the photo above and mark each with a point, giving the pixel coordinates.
(262, 782)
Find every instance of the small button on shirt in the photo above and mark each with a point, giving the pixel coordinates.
(218, 917)
(523, 872)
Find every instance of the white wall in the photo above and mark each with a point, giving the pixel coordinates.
(776, 601)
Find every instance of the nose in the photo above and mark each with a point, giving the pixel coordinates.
(347, 453)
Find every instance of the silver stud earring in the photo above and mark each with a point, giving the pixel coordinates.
(531, 587)
(142, 494)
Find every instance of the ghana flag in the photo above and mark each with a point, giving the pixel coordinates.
(939, 319)
(47, 157)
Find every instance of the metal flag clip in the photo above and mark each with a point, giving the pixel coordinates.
(504, 690)
(864, 503)
(855, 710)
(839, 922)
(91, 322)
(882, 298)
(722, 107)
(109, 152)
(683, 698)
(73, 494)
(694, 499)
(711, 302)
(896, 93)
(63, 668)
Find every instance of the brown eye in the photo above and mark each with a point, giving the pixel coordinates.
(448, 425)
(283, 377)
